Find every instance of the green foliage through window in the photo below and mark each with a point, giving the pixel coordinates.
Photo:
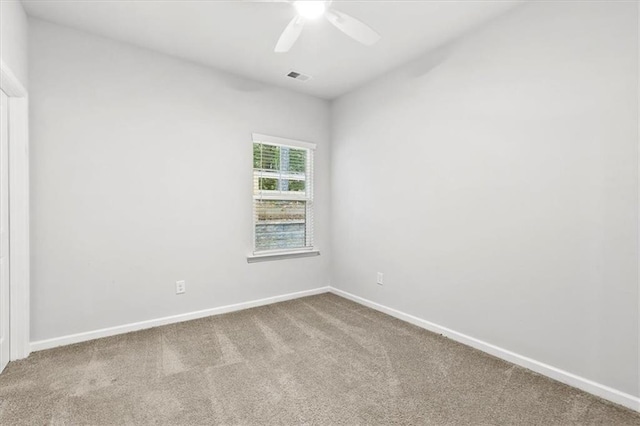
(296, 185)
(270, 157)
(268, 184)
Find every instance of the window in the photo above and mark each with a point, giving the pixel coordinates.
(282, 195)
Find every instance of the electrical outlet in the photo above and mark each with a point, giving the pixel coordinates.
(380, 280)
(181, 287)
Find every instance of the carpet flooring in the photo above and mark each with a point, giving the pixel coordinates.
(317, 360)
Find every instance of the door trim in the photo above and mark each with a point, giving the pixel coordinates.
(18, 213)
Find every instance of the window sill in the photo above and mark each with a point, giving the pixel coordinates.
(265, 257)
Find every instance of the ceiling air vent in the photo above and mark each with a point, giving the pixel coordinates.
(298, 76)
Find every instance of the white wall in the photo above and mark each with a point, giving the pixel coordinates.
(141, 176)
(494, 182)
(14, 36)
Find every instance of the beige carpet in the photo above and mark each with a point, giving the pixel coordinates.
(318, 360)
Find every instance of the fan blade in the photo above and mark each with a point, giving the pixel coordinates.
(290, 35)
(352, 27)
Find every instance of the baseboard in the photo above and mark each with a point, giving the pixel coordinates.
(565, 377)
(126, 328)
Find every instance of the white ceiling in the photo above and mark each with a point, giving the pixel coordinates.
(239, 36)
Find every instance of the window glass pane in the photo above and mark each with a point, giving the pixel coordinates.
(296, 185)
(266, 157)
(297, 160)
(282, 183)
(280, 224)
(268, 184)
(273, 184)
(279, 168)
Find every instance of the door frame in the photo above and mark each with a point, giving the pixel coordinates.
(19, 309)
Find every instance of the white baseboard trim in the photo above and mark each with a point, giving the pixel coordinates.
(126, 328)
(565, 377)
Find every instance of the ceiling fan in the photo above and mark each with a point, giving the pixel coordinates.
(309, 10)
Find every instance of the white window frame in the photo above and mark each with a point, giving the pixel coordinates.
(261, 255)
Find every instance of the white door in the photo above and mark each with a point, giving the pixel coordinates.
(4, 231)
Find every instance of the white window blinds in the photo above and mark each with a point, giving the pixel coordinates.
(282, 194)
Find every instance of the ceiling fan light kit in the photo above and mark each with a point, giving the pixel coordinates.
(312, 9)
